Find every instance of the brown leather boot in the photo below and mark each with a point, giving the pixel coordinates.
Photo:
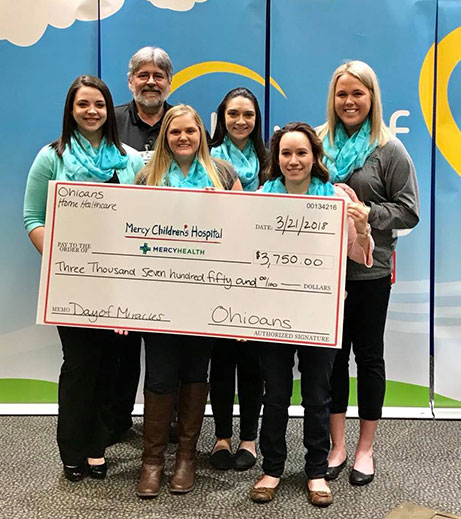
(158, 411)
(191, 408)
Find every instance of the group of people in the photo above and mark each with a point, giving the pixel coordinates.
(352, 156)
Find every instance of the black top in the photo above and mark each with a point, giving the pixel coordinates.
(133, 131)
(113, 180)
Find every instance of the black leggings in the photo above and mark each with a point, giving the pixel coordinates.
(365, 314)
(171, 359)
(228, 357)
(126, 382)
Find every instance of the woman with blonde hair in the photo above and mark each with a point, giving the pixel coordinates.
(178, 364)
(361, 152)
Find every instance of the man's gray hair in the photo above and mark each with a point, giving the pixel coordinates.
(154, 55)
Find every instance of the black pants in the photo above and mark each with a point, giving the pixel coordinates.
(315, 365)
(229, 356)
(171, 359)
(126, 382)
(85, 394)
(365, 314)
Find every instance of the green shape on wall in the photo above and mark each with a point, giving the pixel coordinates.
(27, 391)
(443, 401)
(398, 394)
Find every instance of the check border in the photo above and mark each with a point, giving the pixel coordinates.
(340, 294)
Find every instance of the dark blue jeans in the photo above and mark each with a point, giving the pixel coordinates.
(315, 365)
(171, 359)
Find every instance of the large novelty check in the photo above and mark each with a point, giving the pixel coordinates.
(215, 263)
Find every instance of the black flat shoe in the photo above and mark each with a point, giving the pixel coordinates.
(74, 472)
(243, 460)
(221, 460)
(333, 472)
(359, 478)
(97, 471)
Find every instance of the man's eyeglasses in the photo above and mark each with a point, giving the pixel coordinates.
(156, 76)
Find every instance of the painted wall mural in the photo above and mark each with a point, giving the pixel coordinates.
(215, 46)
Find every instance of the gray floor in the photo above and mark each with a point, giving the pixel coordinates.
(417, 461)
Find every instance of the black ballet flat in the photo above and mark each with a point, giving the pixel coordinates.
(333, 472)
(221, 460)
(243, 460)
(74, 472)
(97, 471)
(359, 478)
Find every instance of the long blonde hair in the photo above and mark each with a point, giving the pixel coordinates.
(366, 75)
(158, 165)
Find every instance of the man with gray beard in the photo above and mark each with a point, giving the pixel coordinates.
(149, 78)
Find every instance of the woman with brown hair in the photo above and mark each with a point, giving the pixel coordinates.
(88, 150)
(296, 167)
(238, 140)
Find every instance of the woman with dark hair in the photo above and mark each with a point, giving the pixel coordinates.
(362, 153)
(237, 137)
(88, 150)
(238, 140)
(178, 364)
(296, 167)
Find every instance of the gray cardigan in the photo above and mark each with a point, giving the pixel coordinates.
(387, 184)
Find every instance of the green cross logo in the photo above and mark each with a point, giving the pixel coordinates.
(145, 248)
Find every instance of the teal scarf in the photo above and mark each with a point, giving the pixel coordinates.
(348, 153)
(316, 187)
(244, 161)
(196, 178)
(87, 164)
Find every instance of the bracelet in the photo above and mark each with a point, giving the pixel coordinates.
(366, 233)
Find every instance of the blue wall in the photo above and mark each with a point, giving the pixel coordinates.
(308, 40)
